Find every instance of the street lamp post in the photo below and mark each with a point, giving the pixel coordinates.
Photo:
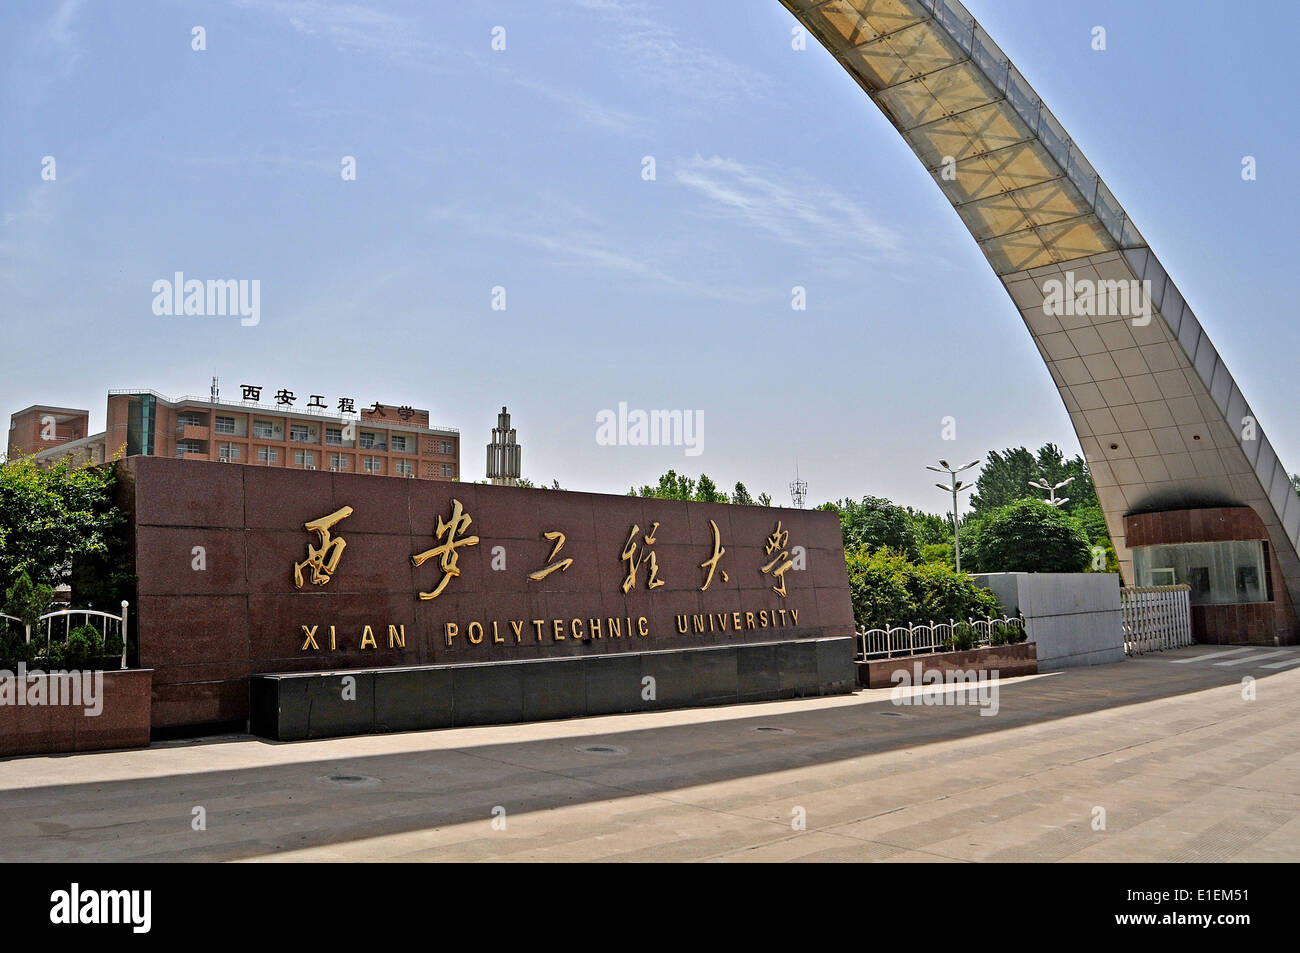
(1052, 499)
(954, 486)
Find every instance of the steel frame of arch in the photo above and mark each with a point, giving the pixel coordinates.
(1161, 421)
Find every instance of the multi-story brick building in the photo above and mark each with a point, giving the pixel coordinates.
(382, 440)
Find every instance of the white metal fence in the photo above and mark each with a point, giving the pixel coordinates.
(1156, 618)
(903, 640)
(105, 622)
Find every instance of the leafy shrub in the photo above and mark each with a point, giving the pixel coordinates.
(964, 637)
(14, 648)
(938, 554)
(84, 648)
(998, 633)
(888, 589)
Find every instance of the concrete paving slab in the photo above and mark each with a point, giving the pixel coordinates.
(1190, 762)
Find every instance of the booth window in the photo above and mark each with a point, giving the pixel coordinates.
(1218, 573)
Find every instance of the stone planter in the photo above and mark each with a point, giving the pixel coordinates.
(1003, 661)
(47, 714)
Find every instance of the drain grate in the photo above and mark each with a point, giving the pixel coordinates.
(602, 749)
(351, 780)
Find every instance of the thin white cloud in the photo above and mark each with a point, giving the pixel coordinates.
(812, 218)
(58, 30)
(661, 56)
(588, 110)
(583, 246)
(348, 27)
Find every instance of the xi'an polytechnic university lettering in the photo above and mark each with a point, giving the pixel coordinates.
(305, 572)
(325, 555)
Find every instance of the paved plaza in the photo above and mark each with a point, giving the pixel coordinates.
(1183, 767)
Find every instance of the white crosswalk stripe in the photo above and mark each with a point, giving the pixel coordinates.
(1286, 664)
(1207, 657)
(1249, 659)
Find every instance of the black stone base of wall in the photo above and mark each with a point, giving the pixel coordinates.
(293, 707)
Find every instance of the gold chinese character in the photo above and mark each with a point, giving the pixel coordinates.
(712, 562)
(562, 565)
(776, 543)
(324, 559)
(634, 564)
(448, 558)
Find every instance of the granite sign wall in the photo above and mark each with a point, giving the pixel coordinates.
(245, 571)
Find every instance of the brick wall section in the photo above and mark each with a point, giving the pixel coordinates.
(26, 430)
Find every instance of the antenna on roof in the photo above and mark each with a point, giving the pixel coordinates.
(216, 389)
(799, 488)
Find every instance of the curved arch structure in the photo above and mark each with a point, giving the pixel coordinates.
(1162, 423)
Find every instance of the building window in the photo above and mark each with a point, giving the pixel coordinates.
(189, 420)
(266, 454)
(334, 436)
(404, 467)
(224, 425)
(1218, 573)
(373, 464)
(398, 442)
(448, 470)
(228, 451)
(298, 433)
(262, 429)
(339, 461)
(187, 446)
(367, 440)
(304, 458)
(448, 447)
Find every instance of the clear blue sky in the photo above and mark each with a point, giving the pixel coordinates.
(522, 169)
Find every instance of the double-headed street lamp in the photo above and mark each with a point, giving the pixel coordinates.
(1052, 499)
(954, 486)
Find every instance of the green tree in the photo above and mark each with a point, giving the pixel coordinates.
(1092, 523)
(52, 517)
(706, 491)
(930, 528)
(740, 496)
(1027, 536)
(27, 600)
(671, 487)
(876, 524)
(1006, 477)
